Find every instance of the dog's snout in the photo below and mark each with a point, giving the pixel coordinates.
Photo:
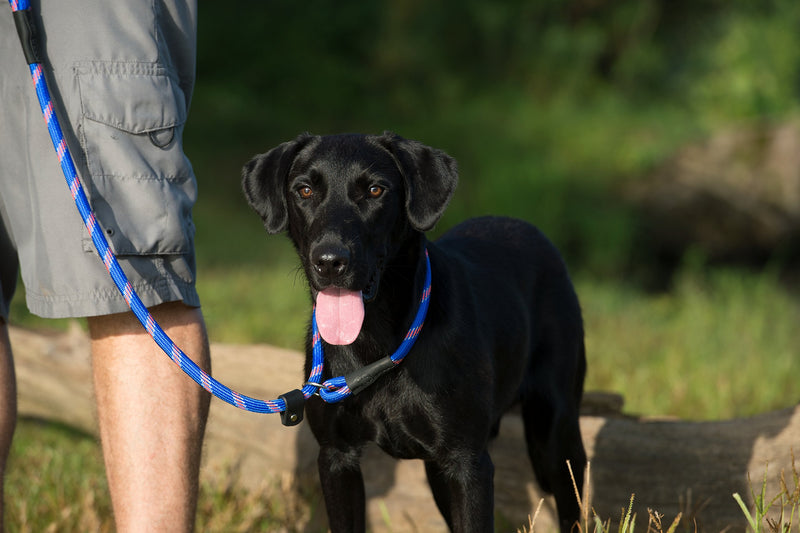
(330, 261)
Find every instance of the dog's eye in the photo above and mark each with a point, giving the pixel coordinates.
(375, 191)
(305, 192)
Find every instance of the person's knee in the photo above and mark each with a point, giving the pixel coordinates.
(168, 315)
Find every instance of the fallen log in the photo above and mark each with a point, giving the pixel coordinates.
(671, 466)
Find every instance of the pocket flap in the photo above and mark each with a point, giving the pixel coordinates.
(134, 102)
(140, 183)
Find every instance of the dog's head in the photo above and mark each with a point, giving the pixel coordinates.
(348, 203)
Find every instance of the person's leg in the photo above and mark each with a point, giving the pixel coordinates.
(151, 416)
(8, 406)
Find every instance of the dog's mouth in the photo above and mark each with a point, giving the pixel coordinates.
(339, 312)
(371, 288)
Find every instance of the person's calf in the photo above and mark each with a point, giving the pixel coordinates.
(151, 416)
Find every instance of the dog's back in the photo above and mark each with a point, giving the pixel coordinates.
(517, 283)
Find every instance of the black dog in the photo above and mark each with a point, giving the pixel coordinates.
(503, 324)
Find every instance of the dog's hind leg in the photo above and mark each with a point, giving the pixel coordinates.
(553, 438)
(550, 401)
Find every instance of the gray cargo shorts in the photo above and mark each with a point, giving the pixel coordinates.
(121, 74)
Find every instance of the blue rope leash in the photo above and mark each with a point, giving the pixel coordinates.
(332, 390)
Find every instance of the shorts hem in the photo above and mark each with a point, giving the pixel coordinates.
(110, 301)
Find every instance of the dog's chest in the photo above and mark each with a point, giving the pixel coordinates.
(405, 433)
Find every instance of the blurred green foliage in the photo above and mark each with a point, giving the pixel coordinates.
(548, 106)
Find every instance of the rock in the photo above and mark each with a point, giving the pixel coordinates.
(734, 196)
(672, 466)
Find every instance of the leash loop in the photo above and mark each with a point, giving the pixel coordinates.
(339, 388)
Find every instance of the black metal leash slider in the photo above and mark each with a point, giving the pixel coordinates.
(28, 35)
(359, 379)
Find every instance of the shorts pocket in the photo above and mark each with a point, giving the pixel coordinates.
(141, 186)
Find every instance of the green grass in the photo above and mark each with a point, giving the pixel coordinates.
(56, 482)
(722, 344)
(774, 513)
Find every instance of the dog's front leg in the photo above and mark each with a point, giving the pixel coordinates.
(343, 489)
(464, 492)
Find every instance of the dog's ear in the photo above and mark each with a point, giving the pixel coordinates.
(264, 182)
(430, 176)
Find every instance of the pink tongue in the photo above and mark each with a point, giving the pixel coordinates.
(340, 314)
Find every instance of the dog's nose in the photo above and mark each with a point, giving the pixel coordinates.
(330, 261)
